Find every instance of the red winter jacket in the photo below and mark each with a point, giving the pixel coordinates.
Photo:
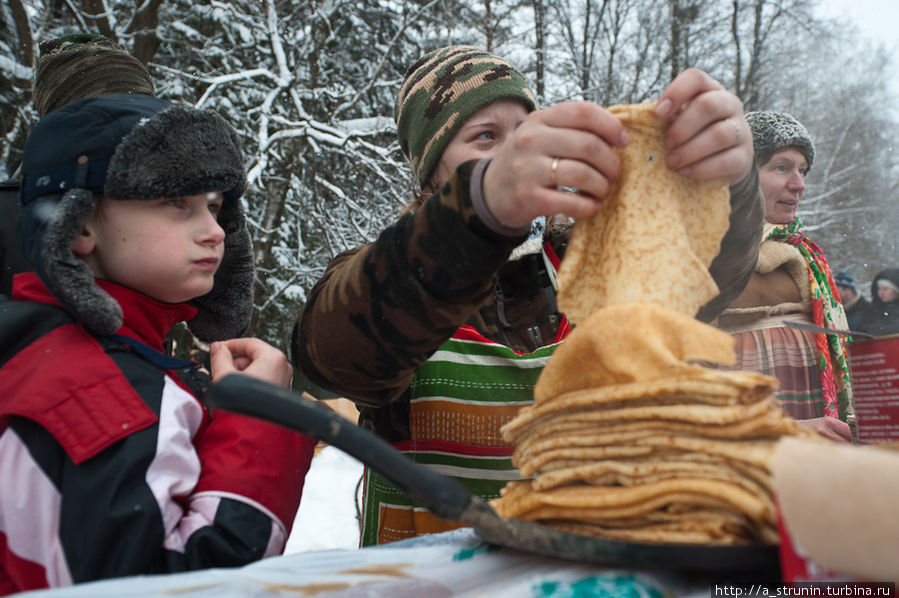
(110, 466)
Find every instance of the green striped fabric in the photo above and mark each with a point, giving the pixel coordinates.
(460, 398)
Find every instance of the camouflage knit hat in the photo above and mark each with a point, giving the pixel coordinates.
(774, 131)
(442, 90)
(85, 65)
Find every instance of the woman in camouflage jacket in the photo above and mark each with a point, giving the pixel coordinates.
(439, 329)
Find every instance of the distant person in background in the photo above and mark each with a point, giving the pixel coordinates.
(792, 281)
(854, 304)
(71, 67)
(882, 317)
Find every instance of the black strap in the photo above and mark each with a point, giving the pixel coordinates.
(157, 358)
(196, 379)
(23, 322)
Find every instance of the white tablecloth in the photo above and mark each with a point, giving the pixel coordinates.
(453, 563)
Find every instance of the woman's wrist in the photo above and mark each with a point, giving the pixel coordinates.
(476, 191)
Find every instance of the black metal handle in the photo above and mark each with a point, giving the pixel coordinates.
(443, 496)
(809, 327)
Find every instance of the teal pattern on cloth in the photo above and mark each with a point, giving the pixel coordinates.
(605, 586)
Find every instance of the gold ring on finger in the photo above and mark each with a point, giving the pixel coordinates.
(736, 128)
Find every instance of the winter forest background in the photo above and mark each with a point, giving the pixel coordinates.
(310, 87)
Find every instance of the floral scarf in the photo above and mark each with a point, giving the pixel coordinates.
(827, 312)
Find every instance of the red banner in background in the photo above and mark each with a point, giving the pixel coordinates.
(874, 373)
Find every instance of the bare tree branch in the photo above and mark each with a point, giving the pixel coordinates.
(25, 45)
(373, 76)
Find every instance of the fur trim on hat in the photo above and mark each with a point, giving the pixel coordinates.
(774, 131)
(225, 311)
(177, 153)
(51, 224)
(889, 284)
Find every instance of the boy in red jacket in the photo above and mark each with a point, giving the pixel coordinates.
(109, 463)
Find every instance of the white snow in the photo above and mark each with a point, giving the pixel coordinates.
(327, 516)
(875, 19)
(367, 126)
(14, 69)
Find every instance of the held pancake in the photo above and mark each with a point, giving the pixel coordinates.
(654, 237)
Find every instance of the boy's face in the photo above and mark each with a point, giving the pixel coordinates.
(846, 293)
(168, 249)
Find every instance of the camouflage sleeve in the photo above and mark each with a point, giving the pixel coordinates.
(734, 264)
(382, 309)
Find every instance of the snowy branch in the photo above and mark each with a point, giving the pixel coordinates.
(215, 82)
(374, 75)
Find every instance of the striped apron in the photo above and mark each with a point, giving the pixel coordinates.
(459, 400)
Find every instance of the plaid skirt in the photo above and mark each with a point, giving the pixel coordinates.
(768, 347)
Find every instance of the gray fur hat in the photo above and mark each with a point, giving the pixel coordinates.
(131, 147)
(774, 131)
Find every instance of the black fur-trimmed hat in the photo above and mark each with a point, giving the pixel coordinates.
(131, 147)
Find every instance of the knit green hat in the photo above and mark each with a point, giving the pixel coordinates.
(85, 65)
(774, 131)
(442, 90)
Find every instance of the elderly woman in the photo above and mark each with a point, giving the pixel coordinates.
(792, 281)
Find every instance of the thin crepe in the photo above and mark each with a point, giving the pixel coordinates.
(654, 237)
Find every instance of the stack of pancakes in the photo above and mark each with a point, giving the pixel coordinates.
(632, 437)
(652, 448)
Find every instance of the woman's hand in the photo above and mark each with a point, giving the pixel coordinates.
(569, 144)
(708, 136)
(252, 357)
(828, 427)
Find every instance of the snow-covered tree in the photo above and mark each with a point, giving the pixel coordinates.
(310, 87)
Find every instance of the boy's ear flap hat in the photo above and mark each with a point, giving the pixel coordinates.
(85, 65)
(131, 147)
(442, 90)
(774, 131)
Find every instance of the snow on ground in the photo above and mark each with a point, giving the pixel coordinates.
(327, 516)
